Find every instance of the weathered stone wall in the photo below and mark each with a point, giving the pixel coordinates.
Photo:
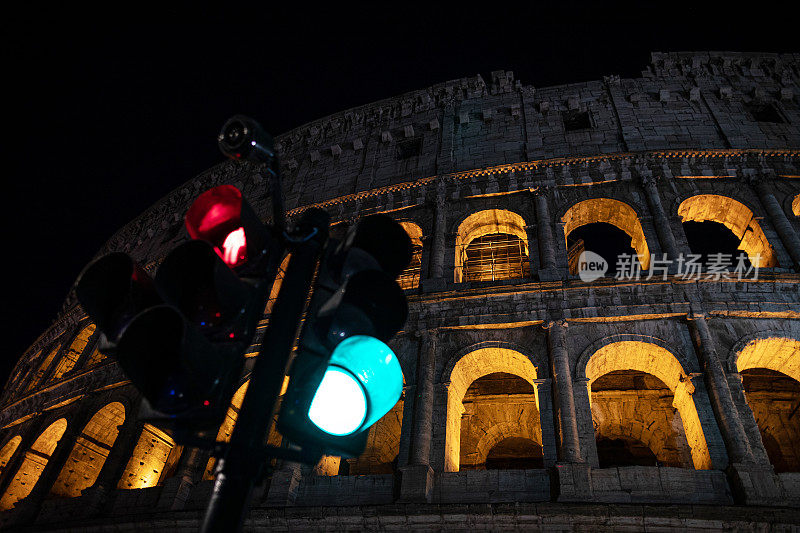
(707, 136)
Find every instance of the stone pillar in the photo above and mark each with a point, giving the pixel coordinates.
(665, 237)
(417, 476)
(572, 475)
(569, 443)
(544, 390)
(439, 231)
(548, 269)
(752, 483)
(176, 489)
(779, 221)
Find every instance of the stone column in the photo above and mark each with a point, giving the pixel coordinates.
(779, 221)
(752, 483)
(544, 390)
(417, 476)
(569, 443)
(547, 251)
(572, 473)
(665, 237)
(439, 230)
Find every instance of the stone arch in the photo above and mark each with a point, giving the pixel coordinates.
(483, 223)
(7, 451)
(42, 369)
(735, 216)
(609, 211)
(34, 463)
(470, 367)
(770, 369)
(689, 365)
(152, 460)
(774, 350)
(90, 451)
(76, 348)
(410, 277)
(226, 428)
(663, 364)
(503, 431)
(538, 363)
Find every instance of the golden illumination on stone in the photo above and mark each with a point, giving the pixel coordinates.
(468, 369)
(485, 223)
(7, 452)
(796, 206)
(659, 362)
(42, 369)
(736, 217)
(33, 464)
(409, 278)
(90, 451)
(612, 212)
(77, 347)
(150, 459)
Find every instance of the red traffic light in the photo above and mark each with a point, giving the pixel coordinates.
(216, 217)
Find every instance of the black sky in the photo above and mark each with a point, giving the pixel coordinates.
(107, 111)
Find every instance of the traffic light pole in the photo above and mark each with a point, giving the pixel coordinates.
(242, 464)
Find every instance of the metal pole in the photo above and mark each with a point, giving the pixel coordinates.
(241, 467)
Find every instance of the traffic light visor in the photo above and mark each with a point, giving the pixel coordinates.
(359, 364)
(216, 216)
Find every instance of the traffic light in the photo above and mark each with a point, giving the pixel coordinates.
(345, 377)
(180, 337)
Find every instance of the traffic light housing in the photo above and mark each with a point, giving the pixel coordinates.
(180, 337)
(345, 377)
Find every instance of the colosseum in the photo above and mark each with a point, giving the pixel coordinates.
(649, 395)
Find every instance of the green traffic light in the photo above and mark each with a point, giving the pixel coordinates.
(362, 383)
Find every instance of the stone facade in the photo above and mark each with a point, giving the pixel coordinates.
(696, 382)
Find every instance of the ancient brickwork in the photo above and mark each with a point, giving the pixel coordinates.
(533, 399)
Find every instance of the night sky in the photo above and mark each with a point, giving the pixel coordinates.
(109, 110)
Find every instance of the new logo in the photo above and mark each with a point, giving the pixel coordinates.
(591, 266)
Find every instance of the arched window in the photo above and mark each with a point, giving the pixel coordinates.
(152, 461)
(770, 370)
(226, 429)
(40, 372)
(607, 227)
(492, 245)
(8, 451)
(36, 459)
(409, 278)
(90, 451)
(478, 418)
(633, 386)
(77, 347)
(720, 225)
(515, 453)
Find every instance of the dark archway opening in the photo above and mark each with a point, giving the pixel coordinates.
(706, 238)
(624, 452)
(515, 453)
(602, 238)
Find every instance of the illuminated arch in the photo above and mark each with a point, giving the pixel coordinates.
(36, 459)
(505, 430)
(661, 363)
(736, 217)
(796, 206)
(609, 211)
(778, 353)
(152, 459)
(409, 278)
(40, 372)
(483, 223)
(7, 452)
(90, 451)
(779, 429)
(75, 350)
(472, 366)
(226, 429)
